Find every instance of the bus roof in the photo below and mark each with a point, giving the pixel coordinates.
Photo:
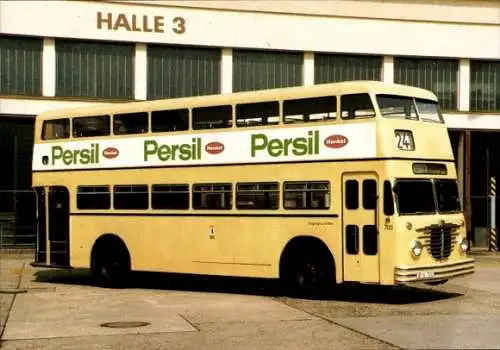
(347, 87)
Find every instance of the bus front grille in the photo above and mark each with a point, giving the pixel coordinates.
(440, 239)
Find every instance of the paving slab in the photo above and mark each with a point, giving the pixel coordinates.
(70, 313)
(202, 308)
(431, 331)
(289, 335)
(60, 314)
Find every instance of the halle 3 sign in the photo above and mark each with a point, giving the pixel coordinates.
(138, 23)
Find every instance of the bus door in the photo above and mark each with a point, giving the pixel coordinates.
(359, 223)
(41, 226)
(58, 224)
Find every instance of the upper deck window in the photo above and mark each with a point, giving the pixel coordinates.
(310, 109)
(130, 123)
(356, 106)
(254, 114)
(55, 129)
(400, 107)
(91, 126)
(406, 107)
(170, 120)
(429, 111)
(214, 117)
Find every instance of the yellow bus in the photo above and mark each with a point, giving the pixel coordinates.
(314, 186)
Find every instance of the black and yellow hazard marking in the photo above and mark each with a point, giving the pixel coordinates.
(493, 230)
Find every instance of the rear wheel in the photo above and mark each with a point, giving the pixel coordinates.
(110, 265)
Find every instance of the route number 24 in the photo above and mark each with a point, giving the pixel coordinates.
(404, 140)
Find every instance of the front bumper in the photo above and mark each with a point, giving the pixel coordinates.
(433, 273)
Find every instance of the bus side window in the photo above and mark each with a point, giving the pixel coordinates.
(356, 106)
(91, 126)
(212, 196)
(93, 197)
(254, 114)
(214, 117)
(369, 194)
(55, 129)
(131, 197)
(306, 195)
(257, 195)
(388, 199)
(351, 194)
(130, 123)
(167, 196)
(310, 110)
(170, 120)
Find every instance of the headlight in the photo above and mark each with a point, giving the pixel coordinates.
(416, 248)
(464, 245)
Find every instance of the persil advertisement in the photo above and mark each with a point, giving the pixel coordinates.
(331, 142)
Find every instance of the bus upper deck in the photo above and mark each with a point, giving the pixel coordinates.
(322, 122)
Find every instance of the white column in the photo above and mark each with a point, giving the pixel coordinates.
(226, 71)
(308, 68)
(464, 85)
(49, 67)
(388, 69)
(141, 72)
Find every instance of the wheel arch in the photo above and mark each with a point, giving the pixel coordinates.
(106, 241)
(304, 242)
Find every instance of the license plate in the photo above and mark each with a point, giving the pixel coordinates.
(425, 274)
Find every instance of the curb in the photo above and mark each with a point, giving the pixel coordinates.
(13, 291)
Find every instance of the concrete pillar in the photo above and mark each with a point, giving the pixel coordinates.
(49, 67)
(388, 69)
(464, 85)
(226, 71)
(141, 72)
(308, 69)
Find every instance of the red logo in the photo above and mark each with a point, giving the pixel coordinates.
(214, 148)
(336, 141)
(110, 153)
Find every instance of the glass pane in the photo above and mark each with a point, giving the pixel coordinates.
(415, 197)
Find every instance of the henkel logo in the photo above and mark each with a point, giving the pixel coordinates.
(110, 153)
(336, 141)
(214, 148)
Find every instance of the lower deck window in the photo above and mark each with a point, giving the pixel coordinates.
(307, 195)
(93, 197)
(212, 196)
(257, 196)
(131, 197)
(170, 197)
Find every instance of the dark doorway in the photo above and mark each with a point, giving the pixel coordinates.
(17, 200)
(485, 164)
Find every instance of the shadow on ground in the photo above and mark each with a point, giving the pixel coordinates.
(249, 286)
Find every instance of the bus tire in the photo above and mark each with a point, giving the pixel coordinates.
(110, 262)
(307, 268)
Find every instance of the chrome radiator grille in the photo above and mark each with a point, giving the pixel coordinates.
(439, 239)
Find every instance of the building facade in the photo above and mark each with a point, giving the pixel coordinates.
(56, 54)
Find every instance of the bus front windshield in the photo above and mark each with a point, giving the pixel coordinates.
(426, 196)
(403, 107)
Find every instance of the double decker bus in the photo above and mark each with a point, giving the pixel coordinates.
(314, 186)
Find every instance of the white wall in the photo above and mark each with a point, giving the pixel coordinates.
(457, 11)
(76, 19)
(334, 32)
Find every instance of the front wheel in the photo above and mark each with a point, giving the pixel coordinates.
(309, 274)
